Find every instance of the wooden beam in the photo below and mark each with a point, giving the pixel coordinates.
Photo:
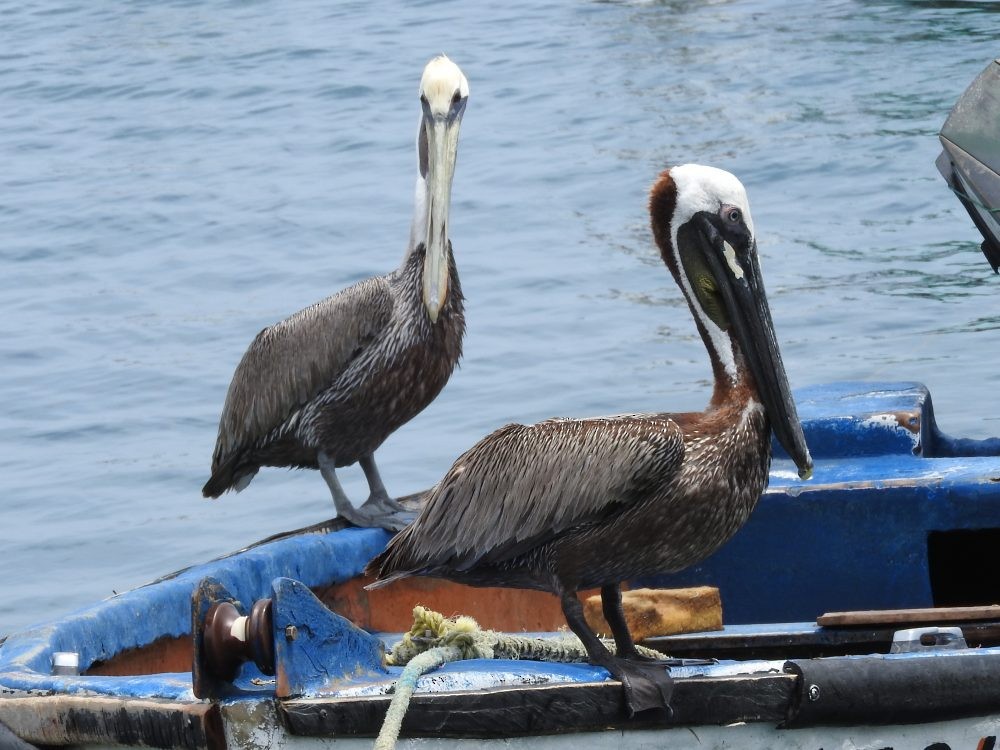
(390, 609)
(79, 720)
(167, 654)
(927, 616)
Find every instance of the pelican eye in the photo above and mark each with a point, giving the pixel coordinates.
(734, 215)
(423, 99)
(456, 97)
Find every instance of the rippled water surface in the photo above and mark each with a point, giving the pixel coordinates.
(176, 175)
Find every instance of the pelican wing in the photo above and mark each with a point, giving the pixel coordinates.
(524, 484)
(290, 363)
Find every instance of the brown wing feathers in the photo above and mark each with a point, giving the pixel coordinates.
(291, 362)
(524, 484)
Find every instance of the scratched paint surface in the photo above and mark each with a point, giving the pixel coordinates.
(177, 175)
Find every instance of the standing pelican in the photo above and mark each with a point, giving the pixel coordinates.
(325, 387)
(571, 504)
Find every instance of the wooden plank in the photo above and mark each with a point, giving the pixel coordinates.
(805, 644)
(929, 615)
(77, 719)
(390, 609)
(658, 612)
(167, 654)
(506, 712)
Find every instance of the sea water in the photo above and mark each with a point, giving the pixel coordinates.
(174, 176)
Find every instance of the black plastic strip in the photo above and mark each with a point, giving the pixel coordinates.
(880, 690)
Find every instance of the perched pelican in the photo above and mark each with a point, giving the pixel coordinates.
(325, 387)
(571, 504)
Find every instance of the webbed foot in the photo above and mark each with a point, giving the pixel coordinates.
(372, 516)
(381, 510)
(646, 686)
(378, 511)
(381, 502)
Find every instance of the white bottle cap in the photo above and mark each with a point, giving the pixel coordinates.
(65, 662)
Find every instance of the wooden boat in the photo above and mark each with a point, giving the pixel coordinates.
(898, 516)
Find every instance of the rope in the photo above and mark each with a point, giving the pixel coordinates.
(435, 640)
(964, 195)
(405, 685)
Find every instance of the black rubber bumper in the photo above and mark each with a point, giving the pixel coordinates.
(880, 690)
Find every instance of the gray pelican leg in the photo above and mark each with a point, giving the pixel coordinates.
(369, 515)
(345, 509)
(391, 515)
(646, 686)
(377, 495)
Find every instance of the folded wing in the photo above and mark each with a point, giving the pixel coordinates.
(524, 484)
(290, 363)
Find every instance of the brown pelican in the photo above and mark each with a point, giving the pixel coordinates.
(571, 504)
(325, 387)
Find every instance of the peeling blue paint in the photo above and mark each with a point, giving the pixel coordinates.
(327, 650)
(139, 617)
(848, 420)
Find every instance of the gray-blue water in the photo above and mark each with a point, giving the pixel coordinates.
(176, 175)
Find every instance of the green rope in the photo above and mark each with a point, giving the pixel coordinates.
(974, 201)
(405, 685)
(435, 640)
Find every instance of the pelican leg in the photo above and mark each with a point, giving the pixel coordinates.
(611, 603)
(371, 514)
(377, 493)
(646, 686)
(389, 513)
(345, 509)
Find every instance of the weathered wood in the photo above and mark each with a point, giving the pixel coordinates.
(507, 712)
(167, 654)
(926, 616)
(656, 612)
(70, 719)
(390, 609)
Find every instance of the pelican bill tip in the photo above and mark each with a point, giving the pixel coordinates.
(806, 472)
(433, 311)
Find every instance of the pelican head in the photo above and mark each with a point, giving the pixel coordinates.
(444, 92)
(702, 223)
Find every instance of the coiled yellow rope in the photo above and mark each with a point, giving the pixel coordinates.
(435, 640)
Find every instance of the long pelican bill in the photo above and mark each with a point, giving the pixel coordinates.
(444, 92)
(441, 133)
(738, 279)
